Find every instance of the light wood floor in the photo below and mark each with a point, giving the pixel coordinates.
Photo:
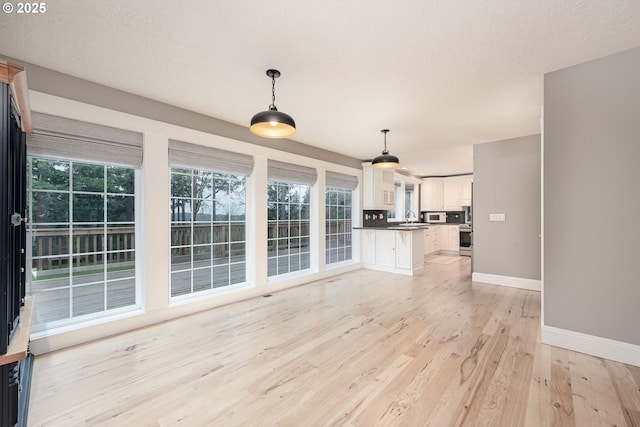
(361, 349)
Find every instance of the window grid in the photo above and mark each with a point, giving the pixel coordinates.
(82, 240)
(288, 231)
(338, 231)
(208, 228)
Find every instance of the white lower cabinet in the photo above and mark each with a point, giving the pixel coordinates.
(369, 246)
(454, 238)
(427, 241)
(396, 251)
(441, 238)
(386, 248)
(404, 249)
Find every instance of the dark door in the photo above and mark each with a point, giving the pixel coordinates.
(12, 211)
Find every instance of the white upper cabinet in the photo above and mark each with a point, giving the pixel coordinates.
(377, 188)
(452, 194)
(431, 195)
(445, 194)
(465, 199)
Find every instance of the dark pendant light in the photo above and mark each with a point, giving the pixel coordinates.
(273, 123)
(385, 160)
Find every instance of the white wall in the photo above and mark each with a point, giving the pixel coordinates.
(155, 222)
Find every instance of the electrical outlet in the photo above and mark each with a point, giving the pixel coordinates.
(497, 217)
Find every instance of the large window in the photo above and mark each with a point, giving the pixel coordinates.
(289, 217)
(81, 200)
(208, 217)
(288, 227)
(338, 225)
(208, 230)
(83, 239)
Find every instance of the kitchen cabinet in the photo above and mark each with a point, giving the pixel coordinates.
(405, 252)
(465, 198)
(453, 243)
(427, 241)
(452, 192)
(395, 251)
(369, 246)
(386, 248)
(445, 194)
(433, 239)
(441, 238)
(377, 188)
(431, 195)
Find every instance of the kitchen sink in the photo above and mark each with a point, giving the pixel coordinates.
(408, 226)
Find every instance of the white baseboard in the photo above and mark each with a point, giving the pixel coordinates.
(415, 272)
(592, 345)
(513, 282)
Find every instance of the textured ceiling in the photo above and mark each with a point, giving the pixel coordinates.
(442, 75)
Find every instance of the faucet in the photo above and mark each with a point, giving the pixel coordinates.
(408, 216)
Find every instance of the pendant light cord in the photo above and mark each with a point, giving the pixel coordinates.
(273, 94)
(384, 131)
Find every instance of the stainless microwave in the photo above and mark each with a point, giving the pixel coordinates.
(435, 217)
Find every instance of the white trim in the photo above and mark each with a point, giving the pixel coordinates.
(542, 215)
(416, 271)
(512, 282)
(589, 344)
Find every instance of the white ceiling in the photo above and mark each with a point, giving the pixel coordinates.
(442, 75)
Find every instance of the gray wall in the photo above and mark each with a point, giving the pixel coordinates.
(506, 179)
(54, 83)
(592, 198)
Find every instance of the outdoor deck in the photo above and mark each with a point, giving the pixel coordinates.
(105, 280)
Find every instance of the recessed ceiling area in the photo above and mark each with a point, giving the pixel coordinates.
(440, 75)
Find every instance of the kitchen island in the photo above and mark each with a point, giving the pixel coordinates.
(395, 249)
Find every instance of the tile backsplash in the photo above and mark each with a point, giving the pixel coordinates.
(374, 218)
(453, 217)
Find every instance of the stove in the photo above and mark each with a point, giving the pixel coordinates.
(466, 239)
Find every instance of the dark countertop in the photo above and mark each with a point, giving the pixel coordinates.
(397, 227)
(392, 227)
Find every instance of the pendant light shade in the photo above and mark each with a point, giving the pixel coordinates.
(273, 123)
(385, 160)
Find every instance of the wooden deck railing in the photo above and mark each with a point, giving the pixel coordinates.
(51, 246)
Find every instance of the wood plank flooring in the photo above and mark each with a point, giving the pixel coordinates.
(360, 349)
